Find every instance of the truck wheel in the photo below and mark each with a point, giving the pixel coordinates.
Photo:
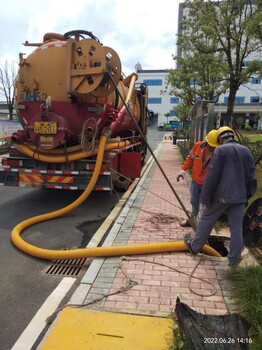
(122, 184)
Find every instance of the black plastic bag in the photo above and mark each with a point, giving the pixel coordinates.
(209, 332)
(252, 224)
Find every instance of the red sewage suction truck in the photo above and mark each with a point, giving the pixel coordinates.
(68, 91)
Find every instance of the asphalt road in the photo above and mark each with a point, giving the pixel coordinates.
(25, 281)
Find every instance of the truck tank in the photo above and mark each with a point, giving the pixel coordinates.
(64, 89)
(67, 92)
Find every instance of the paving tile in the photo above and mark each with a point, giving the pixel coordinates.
(161, 277)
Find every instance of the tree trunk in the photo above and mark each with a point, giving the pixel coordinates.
(228, 120)
(11, 111)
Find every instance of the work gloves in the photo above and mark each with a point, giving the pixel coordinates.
(181, 174)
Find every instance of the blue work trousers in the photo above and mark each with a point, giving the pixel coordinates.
(235, 214)
(195, 191)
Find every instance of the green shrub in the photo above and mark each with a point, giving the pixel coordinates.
(248, 298)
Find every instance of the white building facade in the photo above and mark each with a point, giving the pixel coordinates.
(162, 104)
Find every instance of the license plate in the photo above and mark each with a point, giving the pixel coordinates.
(45, 127)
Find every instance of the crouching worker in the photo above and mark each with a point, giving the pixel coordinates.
(198, 160)
(230, 182)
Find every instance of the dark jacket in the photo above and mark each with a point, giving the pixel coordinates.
(231, 176)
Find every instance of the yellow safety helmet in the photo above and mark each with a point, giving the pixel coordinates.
(211, 138)
(225, 131)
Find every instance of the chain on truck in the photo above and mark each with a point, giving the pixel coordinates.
(67, 92)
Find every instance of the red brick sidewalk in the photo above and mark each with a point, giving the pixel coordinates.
(161, 278)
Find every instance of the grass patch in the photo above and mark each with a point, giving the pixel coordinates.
(247, 294)
(179, 341)
(252, 135)
(258, 193)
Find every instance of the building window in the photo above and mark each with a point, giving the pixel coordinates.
(256, 80)
(238, 99)
(155, 100)
(153, 82)
(246, 63)
(172, 113)
(174, 100)
(254, 99)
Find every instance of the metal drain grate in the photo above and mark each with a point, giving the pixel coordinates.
(70, 267)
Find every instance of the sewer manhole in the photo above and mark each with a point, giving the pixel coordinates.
(67, 268)
(220, 244)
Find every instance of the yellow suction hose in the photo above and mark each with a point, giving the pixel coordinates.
(91, 252)
(67, 150)
(56, 158)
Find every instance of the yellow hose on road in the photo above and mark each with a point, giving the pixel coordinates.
(91, 252)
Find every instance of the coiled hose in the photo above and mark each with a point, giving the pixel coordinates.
(90, 252)
(74, 154)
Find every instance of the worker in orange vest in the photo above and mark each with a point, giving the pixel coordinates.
(197, 160)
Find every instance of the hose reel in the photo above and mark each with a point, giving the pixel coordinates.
(89, 63)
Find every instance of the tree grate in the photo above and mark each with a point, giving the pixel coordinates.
(70, 267)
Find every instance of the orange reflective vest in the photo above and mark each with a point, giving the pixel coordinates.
(194, 160)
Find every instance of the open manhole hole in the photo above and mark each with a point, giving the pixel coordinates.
(220, 244)
(67, 268)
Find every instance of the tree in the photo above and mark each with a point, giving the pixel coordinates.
(167, 115)
(199, 74)
(183, 112)
(197, 77)
(7, 79)
(230, 27)
(252, 25)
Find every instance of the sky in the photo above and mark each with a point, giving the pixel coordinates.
(139, 31)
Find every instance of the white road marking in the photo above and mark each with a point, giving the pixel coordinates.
(36, 326)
